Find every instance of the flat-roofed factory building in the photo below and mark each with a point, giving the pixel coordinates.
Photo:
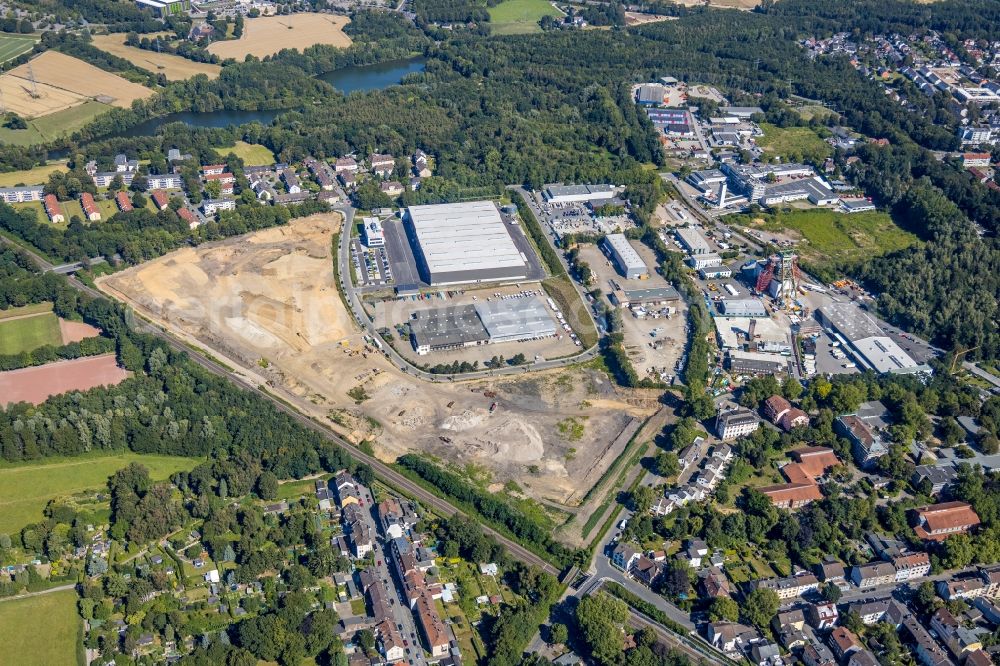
(453, 327)
(485, 322)
(644, 297)
(462, 243)
(558, 193)
(626, 259)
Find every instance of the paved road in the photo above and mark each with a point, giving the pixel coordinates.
(354, 304)
(385, 472)
(402, 617)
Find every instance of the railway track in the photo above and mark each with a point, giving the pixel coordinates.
(382, 470)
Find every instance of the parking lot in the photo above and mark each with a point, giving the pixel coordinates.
(371, 265)
(394, 313)
(654, 340)
(577, 218)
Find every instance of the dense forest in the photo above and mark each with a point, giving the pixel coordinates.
(556, 107)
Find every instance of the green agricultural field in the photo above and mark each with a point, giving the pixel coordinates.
(54, 125)
(831, 237)
(25, 488)
(516, 17)
(27, 332)
(41, 630)
(252, 154)
(12, 46)
(793, 144)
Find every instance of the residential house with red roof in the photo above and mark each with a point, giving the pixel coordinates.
(53, 209)
(89, 206)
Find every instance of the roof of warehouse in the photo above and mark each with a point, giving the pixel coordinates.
(576, 190)
(884, 354)
(447, 326)
(693, 239)
(464, 237)
(743, 306)
(850, 321)
(516, 316)
(625, 251)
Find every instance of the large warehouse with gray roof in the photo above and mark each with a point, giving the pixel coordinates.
(496, 321)
(463, 242)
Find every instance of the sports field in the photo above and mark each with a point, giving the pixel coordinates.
(12, 46)
(25, 488)
(516, 17)
(24, 329)
(174, 67)
(793, 144)
(34, 176)
(41, 630)
(252, 154)
(266, 35)
(38, 383)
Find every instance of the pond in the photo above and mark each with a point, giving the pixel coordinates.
(347, 80)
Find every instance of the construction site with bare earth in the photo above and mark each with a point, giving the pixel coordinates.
(267, 303)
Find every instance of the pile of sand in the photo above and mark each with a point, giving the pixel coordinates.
(468, 419)
(513, 441)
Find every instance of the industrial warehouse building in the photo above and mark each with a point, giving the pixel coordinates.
(644, 297)
(577, 193)
(626, 259)
(743, 307)
(693, 241)
(866, 342)
(463, 242)
(485, 322)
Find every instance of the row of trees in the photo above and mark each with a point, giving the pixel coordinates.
(490, 507)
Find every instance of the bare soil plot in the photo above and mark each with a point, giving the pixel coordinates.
(75, 78)
(75, 331)
(267, 35)
(268, 303)
(174, 67)
(37, 384)
(638, 18)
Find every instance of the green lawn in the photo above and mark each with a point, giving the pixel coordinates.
(793, 144)
(25, 488)
(47, 128)
(516, 17)
(30, 332)
(292, 489)
(35, 176)
(40, 630)
(12, 46)
(252, 154)
(831, 237)
(37, 308)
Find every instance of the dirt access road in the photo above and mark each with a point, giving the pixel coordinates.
(267, 303)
